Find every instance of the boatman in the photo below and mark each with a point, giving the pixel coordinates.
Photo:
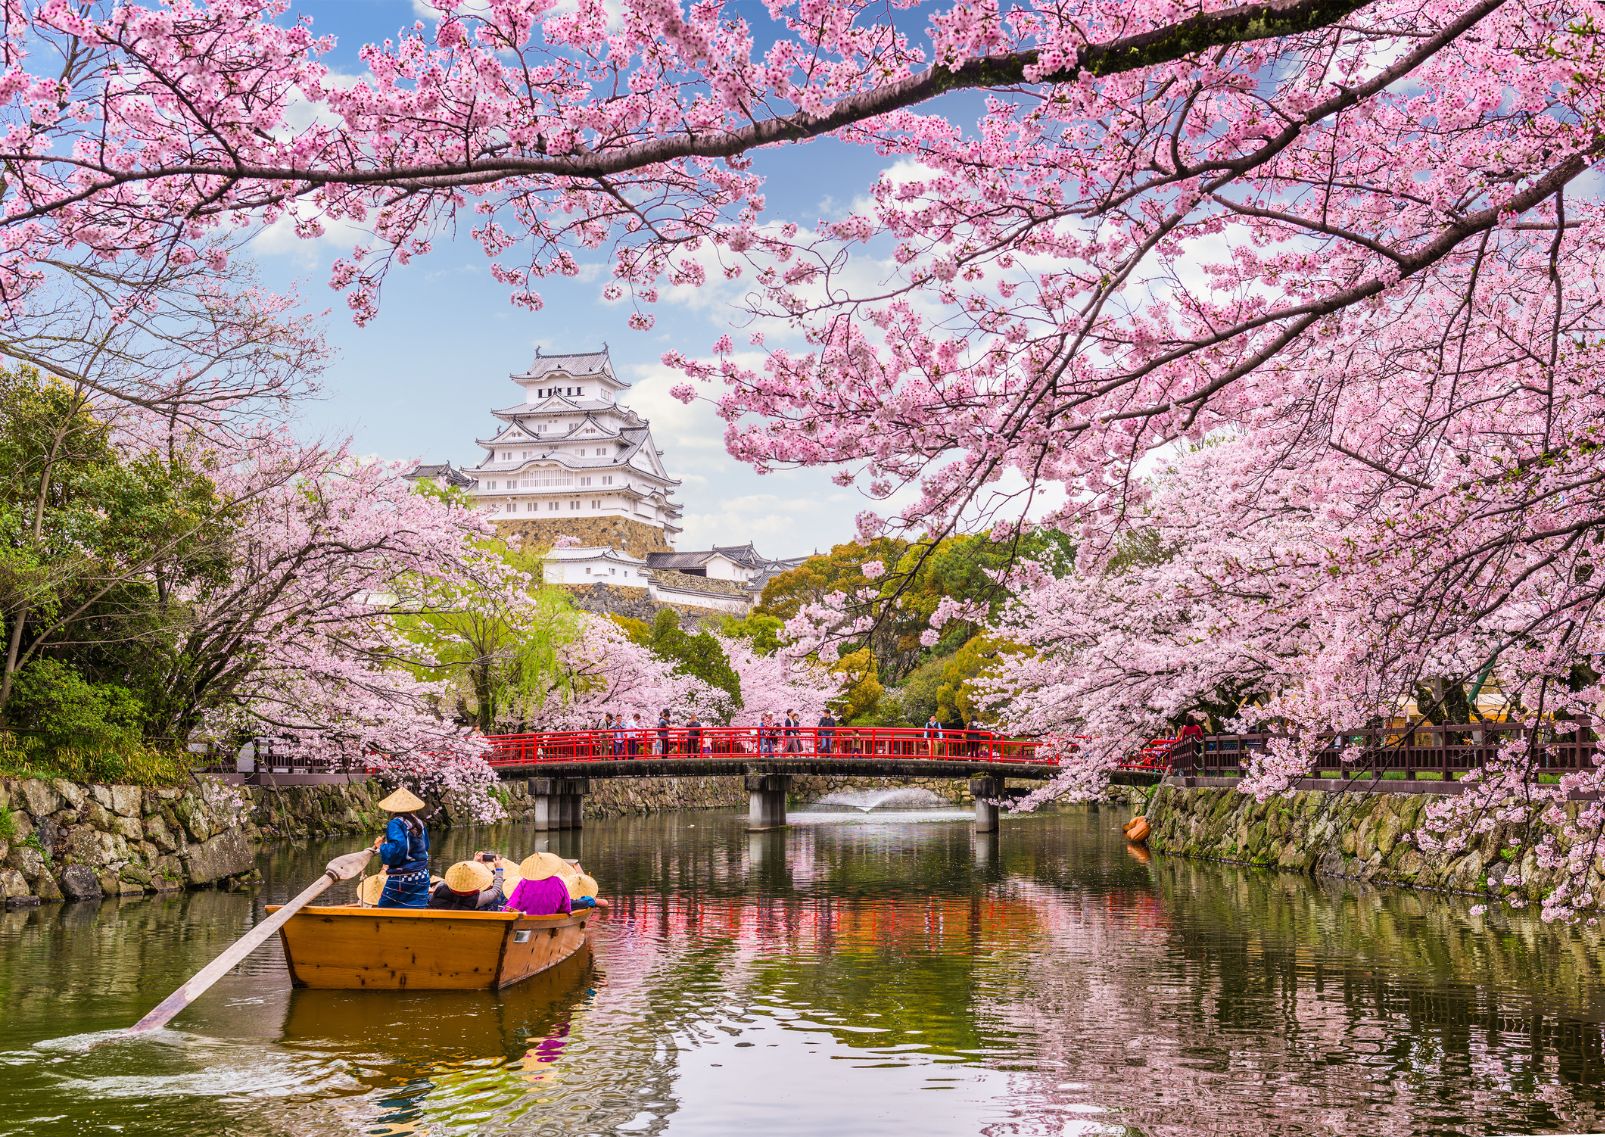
(404, 849)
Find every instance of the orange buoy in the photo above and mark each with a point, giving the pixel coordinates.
(1136, 829)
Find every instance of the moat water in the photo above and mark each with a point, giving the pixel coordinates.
(857, 974)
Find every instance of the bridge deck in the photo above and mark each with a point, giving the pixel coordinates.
(865, 766)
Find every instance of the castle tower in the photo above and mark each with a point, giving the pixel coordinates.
(568, 460)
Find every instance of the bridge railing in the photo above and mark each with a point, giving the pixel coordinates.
(807, 742)
(1439, 752)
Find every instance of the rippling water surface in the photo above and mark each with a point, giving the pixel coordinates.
(857, 974)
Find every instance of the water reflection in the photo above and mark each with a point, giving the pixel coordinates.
(866, 978)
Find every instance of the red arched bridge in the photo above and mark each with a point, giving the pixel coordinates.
(562, 762)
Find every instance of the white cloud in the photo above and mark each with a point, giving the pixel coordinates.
(279, 240)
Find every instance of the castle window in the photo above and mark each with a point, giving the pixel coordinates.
(551, 507)
(595, 504)
(574, 503)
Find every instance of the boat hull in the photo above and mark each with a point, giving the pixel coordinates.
(348, 948)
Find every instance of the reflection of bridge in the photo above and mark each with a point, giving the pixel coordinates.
(562, 762)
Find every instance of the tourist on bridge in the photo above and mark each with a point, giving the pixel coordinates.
(932, 734)
(793, 733)
(633, 728)
(618, 736)
(768, 735)
(663, 733)
(404, 850)
(478, 885)
(827, 733)
(693, 735)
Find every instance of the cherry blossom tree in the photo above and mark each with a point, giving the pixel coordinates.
(608, 672)
(298, 641)
(778, 682)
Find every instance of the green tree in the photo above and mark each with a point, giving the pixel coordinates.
(860, 700)
(498, 637)
(761, 628)
(95, 545)
(698, 656)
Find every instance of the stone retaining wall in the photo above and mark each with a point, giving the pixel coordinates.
(59, 839)
(1350, 835)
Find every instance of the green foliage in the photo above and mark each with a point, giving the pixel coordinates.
(861, 697)
(698, 656)
(945, 684)
(35, 843)
(94, 548)
(918, 576)
(58, 708)
(761, 628)
(501, 645)
(8, 823)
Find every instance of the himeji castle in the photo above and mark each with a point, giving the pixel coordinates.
(570, 466)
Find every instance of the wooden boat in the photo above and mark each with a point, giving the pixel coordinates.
(348, 948)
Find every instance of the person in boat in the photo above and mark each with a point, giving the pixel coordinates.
(542, 891)
(404, 849)
(478, 885)
(581, 890)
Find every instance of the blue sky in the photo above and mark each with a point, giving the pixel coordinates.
(419, 381)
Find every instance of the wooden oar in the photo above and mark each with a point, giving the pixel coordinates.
(341, 868)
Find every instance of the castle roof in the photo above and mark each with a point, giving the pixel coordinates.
(575, 363)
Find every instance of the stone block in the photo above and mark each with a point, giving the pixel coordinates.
(225, 855)
(160, 834)
(193, 817)
(129, 828)
(28, 860)
(78, 882)
(128, 801)
(40, 798)
(72, 794)
(13, 886)
(167, 874)
(135, 874)
(86, 845)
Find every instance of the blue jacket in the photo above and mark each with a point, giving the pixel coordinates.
(406, 845)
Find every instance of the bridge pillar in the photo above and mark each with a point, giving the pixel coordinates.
(766, 800)
(558, 802)
(982, 788)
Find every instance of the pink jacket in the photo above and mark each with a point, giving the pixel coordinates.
(540, 897)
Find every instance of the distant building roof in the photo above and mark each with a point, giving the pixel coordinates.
(443, 472)
(678, 560)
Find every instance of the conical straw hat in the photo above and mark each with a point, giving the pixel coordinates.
(511, 875)
(581, 885)
(402, 801)
(468, 876)
(370, 888)
(543, 866)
